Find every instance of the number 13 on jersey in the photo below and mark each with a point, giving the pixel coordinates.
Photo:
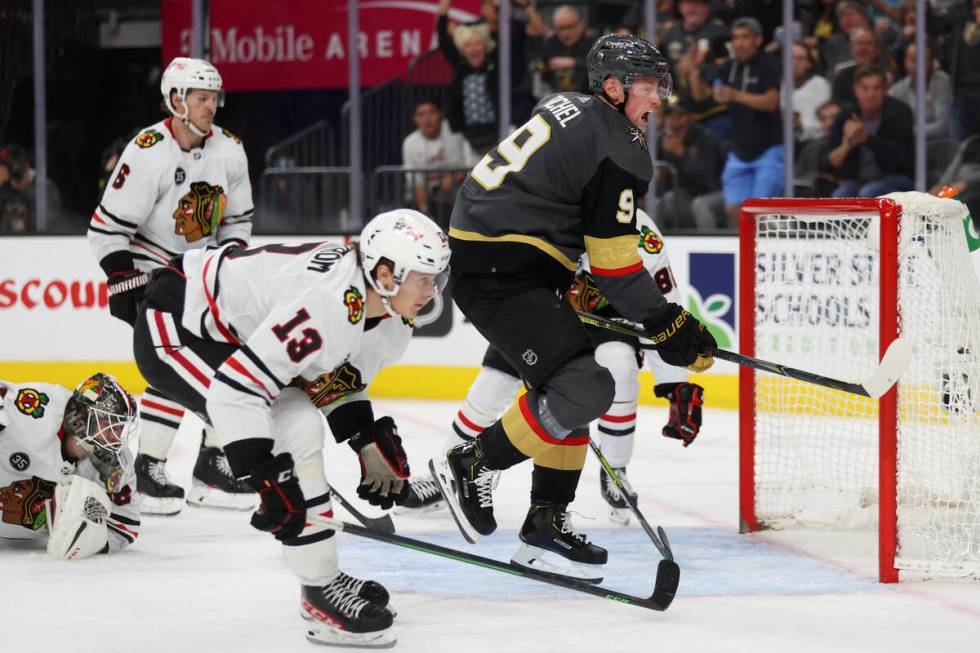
(515, 150)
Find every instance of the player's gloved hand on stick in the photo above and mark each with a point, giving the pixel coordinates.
(384, 465)
(686, 399)
(126, 289)
(681, 339)
(282, 509)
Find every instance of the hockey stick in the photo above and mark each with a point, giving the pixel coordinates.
(383, 524)
(665, 587)
(896, 360)
(661, 542)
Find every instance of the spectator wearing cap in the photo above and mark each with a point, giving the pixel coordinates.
(694, 152)
(749, 85)
(870, 149)
(939, 93)
(810, 91)
(563, 54)
(865, 51)
(695, 46)
(432, 144)
(18, 184)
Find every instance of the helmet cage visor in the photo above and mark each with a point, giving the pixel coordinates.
(106, 438)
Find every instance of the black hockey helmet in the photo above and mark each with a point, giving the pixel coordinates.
(626, 57)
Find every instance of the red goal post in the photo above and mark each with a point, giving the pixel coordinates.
(825, 285)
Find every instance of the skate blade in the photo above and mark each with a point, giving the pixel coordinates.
(542, 560)
(205, 496)
(325, 635)
(421, 510)
(619, 516)
(447, 485)
(160, 506)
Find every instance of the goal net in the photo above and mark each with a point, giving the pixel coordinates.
(826, 286)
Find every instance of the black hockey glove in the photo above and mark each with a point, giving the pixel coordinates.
(126, 289)
(384, 465)
(686, 399)
(282, 511)
(681, 339)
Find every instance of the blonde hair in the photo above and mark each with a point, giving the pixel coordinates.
(480, 32)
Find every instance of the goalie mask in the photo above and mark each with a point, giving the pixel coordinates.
(184, 74)
(410, 242)
(102, 418)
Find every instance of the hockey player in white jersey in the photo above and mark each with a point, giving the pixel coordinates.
(246, 338)
(66, 471)
(181, 184)
(495, 386)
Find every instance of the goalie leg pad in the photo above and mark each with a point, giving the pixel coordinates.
(78, 526)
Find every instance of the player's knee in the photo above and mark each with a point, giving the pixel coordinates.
(297, 425)
(580, 392)
(620, 359)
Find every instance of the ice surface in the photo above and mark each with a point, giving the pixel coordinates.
(205, 581)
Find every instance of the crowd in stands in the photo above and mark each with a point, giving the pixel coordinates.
(720, 138)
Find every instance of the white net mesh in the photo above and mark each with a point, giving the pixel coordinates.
(817, 308)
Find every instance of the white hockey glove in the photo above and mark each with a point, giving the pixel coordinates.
(77, 519)
(384, 465)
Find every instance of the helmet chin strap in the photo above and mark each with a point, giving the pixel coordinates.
(620, 106)
(185, 118)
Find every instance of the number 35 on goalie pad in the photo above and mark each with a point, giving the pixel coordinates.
(77, 519)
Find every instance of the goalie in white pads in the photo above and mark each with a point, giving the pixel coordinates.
(67, 472)
(495, 386)
(229, 333)
(181, 184)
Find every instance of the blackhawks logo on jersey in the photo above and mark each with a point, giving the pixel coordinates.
(199, 211)
(149, 138)
(650, 241)
(31, 402)
(231, 136)
(354, 302)
(328, 388)
(22, 502)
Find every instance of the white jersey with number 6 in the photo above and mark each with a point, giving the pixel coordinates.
(162, 201)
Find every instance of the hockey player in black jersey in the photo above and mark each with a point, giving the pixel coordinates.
(565, 183)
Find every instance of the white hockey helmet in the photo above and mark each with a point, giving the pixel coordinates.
(411, 241)
(183, 74)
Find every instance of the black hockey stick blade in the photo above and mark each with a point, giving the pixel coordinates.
(383, 524)
(895, 361)
(665, 586)
(659, 538)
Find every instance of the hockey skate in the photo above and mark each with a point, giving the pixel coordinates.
(368, 590)
(546, 533)
(156, 493)
(342, 618)
(467, 485)
(423, 496)
(619, 510)
(214, 486)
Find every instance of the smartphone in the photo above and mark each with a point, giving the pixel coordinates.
(703, 44)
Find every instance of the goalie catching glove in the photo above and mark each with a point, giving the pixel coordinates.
(282, 509)
(77, 520)
(384, 465)
(681, 339)
(686, 399)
